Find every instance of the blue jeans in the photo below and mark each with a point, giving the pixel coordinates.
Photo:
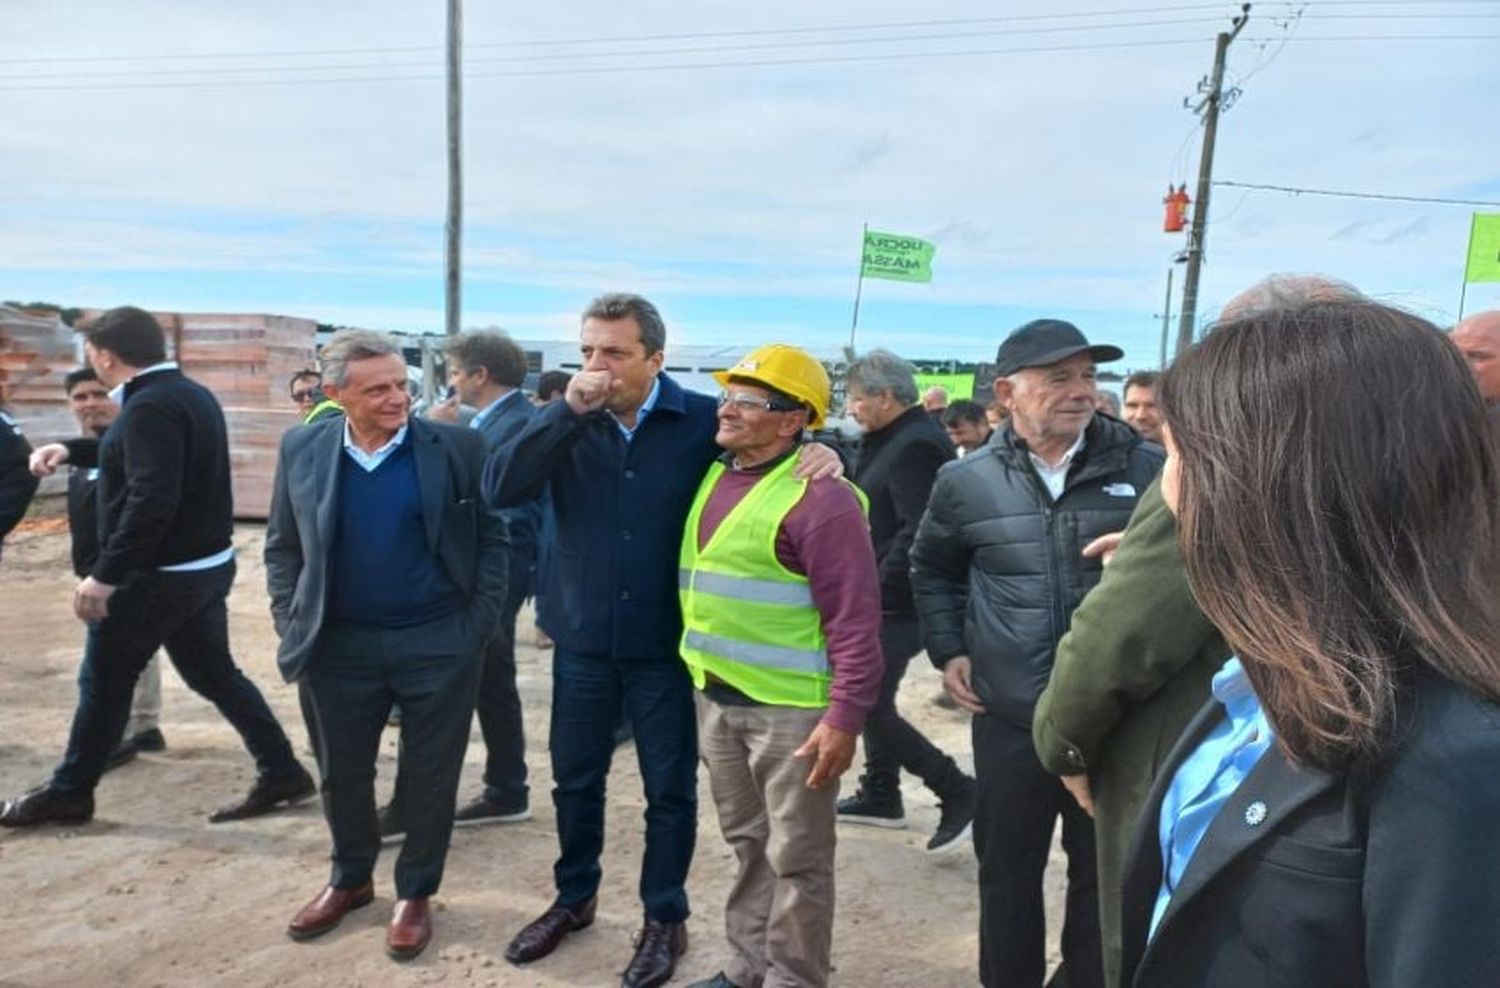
(185, 612)
(589, 693)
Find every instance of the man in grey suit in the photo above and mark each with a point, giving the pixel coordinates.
(486, 370)
(386, 573)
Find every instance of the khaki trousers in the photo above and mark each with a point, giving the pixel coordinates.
(779, 917)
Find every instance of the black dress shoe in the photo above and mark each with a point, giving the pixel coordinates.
(541, 936)
(123, 754)
(149, 740)
(47, 805)
(268, 793)
(656, 954)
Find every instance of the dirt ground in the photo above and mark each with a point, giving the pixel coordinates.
(149, 894)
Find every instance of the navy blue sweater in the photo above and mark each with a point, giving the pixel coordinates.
(385, 574)
(610, 584)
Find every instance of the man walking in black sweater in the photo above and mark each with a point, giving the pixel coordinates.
(165, 566)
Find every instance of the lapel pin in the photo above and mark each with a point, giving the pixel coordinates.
(1255, 813)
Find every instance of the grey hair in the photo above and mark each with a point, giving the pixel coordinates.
(353, 344)
(1278, 292)
(624, 305)
(882, 372)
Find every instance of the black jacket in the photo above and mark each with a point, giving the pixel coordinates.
(83, 518)
(1307, 879)
(895, 468)
(16, 482)
(164, 495)
(998, 566)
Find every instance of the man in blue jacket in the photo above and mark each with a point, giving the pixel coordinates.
(623, 453)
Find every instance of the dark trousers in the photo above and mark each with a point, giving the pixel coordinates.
(891, 743)
(499, 704)
(589, 693)
(1018, 806)
(186, 613)
(355, 674)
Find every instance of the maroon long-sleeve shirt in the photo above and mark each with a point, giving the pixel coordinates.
(825, 537)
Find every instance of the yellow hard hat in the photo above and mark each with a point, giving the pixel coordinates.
(788, 369)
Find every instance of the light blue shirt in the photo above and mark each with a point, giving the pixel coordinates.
(369, 461)
(484, 413)
(640, 415)
(1207, 778)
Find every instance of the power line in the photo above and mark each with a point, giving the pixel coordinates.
(1356, 195)
(618, 39)
(615, 69)
(634, 53)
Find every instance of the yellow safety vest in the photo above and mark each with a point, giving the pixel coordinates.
(747, 619)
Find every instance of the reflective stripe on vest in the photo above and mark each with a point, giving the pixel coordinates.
(746, 588)
(756, 654)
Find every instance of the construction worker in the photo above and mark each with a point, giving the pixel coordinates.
(781, 625)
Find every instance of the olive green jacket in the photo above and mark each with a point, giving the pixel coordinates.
(1133, 669)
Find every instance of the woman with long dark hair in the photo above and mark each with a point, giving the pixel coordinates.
(1332, 817)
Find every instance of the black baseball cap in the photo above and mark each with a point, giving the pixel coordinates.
(1043, 342)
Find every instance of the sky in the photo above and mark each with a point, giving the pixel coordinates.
(722, 158)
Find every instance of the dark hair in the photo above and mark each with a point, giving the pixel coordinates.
(623, 305)
(1333, 535)
(964, 410)
(1141, 379)
(77, 377)
(306, 374)
(129, 333)
(551, 384)
(492, 350)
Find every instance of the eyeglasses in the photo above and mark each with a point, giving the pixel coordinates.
(303, 397)
(745, 403)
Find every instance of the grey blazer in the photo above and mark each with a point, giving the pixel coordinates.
(467, 537)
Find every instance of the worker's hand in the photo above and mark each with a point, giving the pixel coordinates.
(834, 750)
(956, 680)
(46, 459)
(1104, 546)
(445, 411)
(1078, 785)
(91, 600)
(589, 390)
(818, 462)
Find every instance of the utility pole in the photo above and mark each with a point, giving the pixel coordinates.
(454, 233)
(1209, 106)
(1166, 320)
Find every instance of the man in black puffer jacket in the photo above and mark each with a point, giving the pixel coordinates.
(997, 569)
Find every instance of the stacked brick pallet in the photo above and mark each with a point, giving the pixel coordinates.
(244, 359)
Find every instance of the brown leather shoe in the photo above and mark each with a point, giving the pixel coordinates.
(410, 931)
(656, 953)
(328, 910)
(541, 936)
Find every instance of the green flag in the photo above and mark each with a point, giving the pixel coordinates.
(897, 257)
(1484, 248)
